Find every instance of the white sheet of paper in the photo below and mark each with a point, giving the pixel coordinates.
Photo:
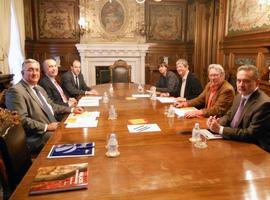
(83, 123)
(138, 128)
(209, 135)
(182, 111)
(166, 99)
(140, 95)
(88, 103)
(91, 98)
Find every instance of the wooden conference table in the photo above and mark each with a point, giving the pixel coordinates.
(156, 165)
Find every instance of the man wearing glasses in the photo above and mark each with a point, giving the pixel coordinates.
(216, 98)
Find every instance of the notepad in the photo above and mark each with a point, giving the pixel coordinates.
(143, 128)
(140, 95)
(209, 135)
(180, 112)
(166, 99)
(137, 121)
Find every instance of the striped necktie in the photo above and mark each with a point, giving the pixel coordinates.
(45, 106)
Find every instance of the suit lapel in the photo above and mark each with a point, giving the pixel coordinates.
(248, 106)
(31, 93)
(72, 78)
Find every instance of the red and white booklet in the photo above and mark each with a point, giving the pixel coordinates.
(60, 178)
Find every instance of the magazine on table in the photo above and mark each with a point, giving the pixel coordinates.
(60, 178)
(72, 150)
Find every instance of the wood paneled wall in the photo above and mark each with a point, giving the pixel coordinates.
(243, 48)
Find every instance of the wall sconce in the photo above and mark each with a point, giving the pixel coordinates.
(84, 26)
(140, 28)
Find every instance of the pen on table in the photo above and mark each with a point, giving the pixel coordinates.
(138, 127)
(143, 128)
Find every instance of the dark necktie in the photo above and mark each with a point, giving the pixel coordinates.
(77, 82)
(45, 106)
(238, 113)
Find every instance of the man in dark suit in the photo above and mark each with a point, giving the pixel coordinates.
(249, 117)
(33, 105)
(53, 89)
(73, 82)
(189, 86)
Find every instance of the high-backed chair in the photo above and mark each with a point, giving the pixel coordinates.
(15, 156)
(120, 72)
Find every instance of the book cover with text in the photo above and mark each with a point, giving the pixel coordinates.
(72, 150)
(60, 178)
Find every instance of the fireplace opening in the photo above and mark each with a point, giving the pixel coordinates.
(102, 74)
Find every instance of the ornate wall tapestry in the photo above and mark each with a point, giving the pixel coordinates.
(247, 16)
(112, 16)
(56, 20)
(165, 23)
(112, 21)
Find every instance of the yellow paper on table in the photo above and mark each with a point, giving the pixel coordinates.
(137, 121)
(131, 98)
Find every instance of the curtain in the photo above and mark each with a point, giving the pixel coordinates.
(19, 9)
(5, 35)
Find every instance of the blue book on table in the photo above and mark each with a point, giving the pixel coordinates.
(72, 150)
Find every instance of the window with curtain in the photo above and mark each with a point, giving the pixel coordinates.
(15, 55)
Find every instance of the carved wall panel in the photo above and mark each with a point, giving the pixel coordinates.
(29, 22)
(56, 19)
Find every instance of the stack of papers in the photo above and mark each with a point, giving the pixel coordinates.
(140, 95)
(166, 99)
(182, 111)
(88, 101)
(84, 120)
(209, 135)
(143, 128)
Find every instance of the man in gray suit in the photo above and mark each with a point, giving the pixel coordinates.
(33, 105)
(249, 117)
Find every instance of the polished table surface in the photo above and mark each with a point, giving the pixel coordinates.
(156, 165)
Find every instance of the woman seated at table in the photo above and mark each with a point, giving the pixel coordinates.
(168, 81)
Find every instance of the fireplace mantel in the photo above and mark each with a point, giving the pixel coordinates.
(106, 54)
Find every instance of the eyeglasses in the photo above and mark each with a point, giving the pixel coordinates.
(31, 70)
(213, 75)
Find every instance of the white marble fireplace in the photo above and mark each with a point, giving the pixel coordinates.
(106, 54)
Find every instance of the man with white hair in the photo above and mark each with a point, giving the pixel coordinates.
(216, 98)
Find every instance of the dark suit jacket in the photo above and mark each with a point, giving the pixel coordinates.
(51, 90)
(193, 87)
(221, 101)
(68, 85)
(168, 83)
(22, 99)
(254, 122)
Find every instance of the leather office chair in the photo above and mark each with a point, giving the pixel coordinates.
(120, 72)
(15, 155)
